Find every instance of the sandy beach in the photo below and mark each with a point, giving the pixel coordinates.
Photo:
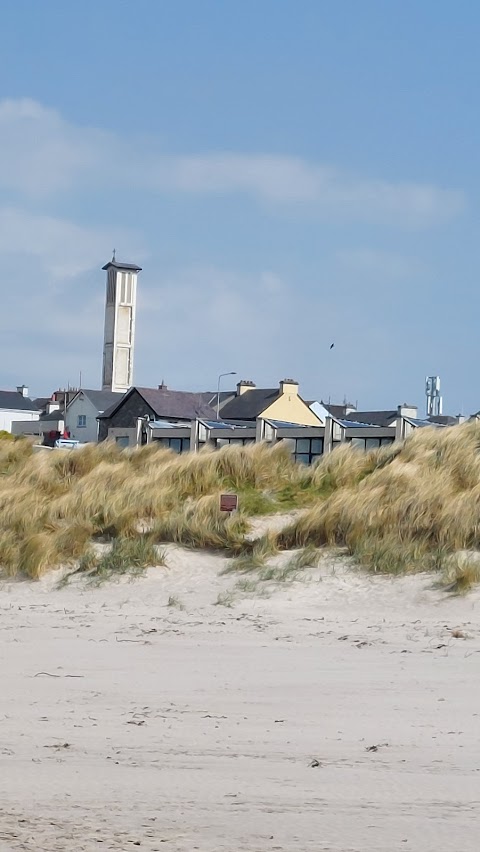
(337, 712)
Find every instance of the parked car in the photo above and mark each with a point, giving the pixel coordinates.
(66, 444)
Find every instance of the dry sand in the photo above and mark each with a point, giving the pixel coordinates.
(126, 722)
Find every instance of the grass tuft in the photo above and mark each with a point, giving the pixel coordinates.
(408, 507)
(462, 573)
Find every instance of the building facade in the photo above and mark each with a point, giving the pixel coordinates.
(83, 410)
(16, 406)
(282, 403)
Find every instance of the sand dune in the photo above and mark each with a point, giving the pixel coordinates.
(126, 722)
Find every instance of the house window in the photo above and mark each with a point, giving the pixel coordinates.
(122, 441)
(307, 450)
(179, 445)
(236, 442)
(369, 443)
(81, 421)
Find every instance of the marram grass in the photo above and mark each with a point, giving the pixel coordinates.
(402, 509)
(405, 515)
(53, 504)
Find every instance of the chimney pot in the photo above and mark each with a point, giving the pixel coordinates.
(289, 385)
(244, 385)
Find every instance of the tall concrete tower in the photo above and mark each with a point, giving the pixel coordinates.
(119, 336)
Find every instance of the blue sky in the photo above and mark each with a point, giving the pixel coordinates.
(288, 173)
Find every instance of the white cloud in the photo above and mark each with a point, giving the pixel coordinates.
(291, 180)
(202, 320)
(62, 248)
(196, 321)
(42, 154)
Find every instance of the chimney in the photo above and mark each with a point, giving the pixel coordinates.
(23, 390)
(162, 386)
(289, 386)
(406, 410)
(244, 385)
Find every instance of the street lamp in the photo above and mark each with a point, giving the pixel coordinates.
(233, 373)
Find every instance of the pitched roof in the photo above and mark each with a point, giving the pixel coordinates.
(337, 410)
(168, 404)
(116, 265)
(100, 399)
(55, 415)
(41, 402)
(210, 397)
(373, 418)
(443, 419)
(249, 404)
(14, 401)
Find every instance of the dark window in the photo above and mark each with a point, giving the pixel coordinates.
(307, 450)
(369, 443)
(178, 445)
(302, 458)
(238, 442)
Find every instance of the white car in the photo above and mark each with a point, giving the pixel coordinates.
(66, 444)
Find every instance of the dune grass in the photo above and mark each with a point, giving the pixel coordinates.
(462, 572)
(406, 508)
(53, 504)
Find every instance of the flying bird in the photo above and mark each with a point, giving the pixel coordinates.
(332, 345)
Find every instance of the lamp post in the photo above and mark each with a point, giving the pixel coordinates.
(233, 373)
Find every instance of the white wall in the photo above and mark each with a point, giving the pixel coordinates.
(7, 416)
(119, 330)
(81, 405)
(125, 436)
(320, 411)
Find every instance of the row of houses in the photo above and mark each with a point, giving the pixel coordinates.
(186, 421)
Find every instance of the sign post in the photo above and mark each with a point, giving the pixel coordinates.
(228, 503)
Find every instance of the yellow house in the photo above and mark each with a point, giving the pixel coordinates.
(283, 403)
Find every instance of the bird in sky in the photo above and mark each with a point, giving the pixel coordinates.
(332, 345)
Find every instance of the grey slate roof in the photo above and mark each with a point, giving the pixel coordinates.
(339, 411)
(116, 265)
(14, 401)
(101, 399)
(443, 420)
(210, 397)
(56, 415)
(168, 404)
(41, 402)
(374, 418)
(249, 404)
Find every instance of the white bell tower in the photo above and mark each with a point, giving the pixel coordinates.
(119, 335)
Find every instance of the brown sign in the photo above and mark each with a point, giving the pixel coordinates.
(228, 502)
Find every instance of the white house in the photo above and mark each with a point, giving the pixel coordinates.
(83, 410)
(16, 405)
